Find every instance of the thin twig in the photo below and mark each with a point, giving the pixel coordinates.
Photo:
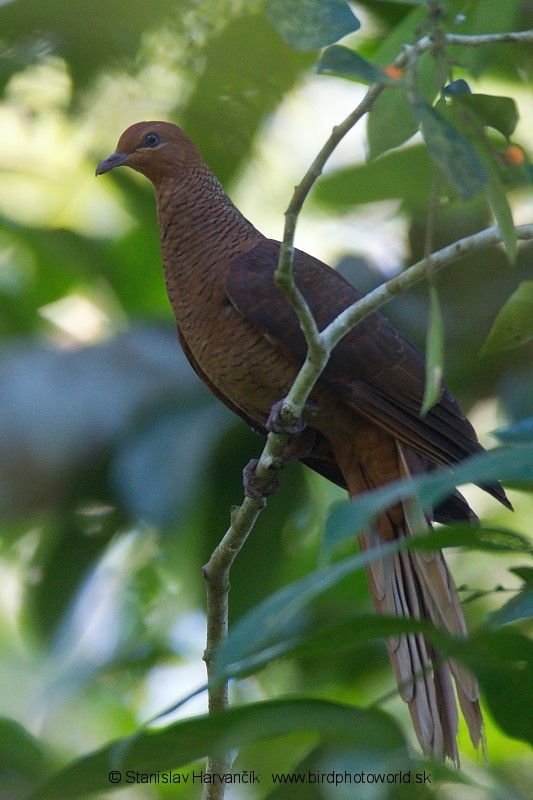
(216, 574)
(405, 280)
(316, 356)
(463, 40)
(347, 319)
(482, 40)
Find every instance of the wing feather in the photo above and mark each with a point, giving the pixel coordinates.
(374, 369)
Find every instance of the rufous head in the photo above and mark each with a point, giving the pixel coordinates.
(155, 149)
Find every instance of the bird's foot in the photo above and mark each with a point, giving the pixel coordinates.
(254, 486)
(302, 439)
(278, 421)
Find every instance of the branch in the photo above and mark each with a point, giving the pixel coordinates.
(216, 574)
(243, 518)
(405, 280)
(341, 325)
(316, 357)
(320, 345)
(462, 40)
(216, 571)
(481, 40)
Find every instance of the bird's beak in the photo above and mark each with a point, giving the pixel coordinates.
(116, 159)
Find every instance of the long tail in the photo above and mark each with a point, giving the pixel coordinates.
(418, 585)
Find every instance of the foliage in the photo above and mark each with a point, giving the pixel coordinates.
(118, 470)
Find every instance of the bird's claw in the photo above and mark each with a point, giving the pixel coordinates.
(254, 486)
(276, 423)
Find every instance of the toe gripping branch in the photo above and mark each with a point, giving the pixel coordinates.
(277, 421)
(300, 443)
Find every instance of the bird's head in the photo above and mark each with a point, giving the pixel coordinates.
(155, 149)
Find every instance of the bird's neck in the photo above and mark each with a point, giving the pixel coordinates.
(200, 227)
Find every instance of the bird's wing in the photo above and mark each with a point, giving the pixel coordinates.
(374, 369)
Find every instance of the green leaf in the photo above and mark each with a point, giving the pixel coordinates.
(501, 209)
(502, 660)
(499, 113)
(518, 432)
(222, 114)
(391, 120)
(464, 116)
(339, 635)
(357, 630)
(403, 174)
(514, 324)
(452, 153)
(20, 752)
(490, 18)
(403, 31)
(518, 607)
(187, 741)
(104, 35)
(310, 24)
(524, 573)
(434, 353)
(513, 463)
(347, 520)
(272, 628)
(255, 638)
(341, 61)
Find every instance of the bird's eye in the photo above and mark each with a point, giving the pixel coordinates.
(151, 140)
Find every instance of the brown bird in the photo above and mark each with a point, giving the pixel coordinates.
(364, 427)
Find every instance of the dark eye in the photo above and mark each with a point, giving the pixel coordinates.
(151, 140)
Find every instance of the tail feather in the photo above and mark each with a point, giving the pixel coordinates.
(418, 585)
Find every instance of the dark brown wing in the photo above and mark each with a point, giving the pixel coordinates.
(374, 369)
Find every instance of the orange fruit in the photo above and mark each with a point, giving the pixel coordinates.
(393, 71)
(514, 155)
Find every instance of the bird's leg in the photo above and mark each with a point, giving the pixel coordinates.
(278, 421)
(255, 486)
(301, 441)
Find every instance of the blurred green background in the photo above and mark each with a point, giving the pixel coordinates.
(117, 468)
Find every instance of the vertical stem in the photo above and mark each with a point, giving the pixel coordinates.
(216, 573)
(217, 584)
